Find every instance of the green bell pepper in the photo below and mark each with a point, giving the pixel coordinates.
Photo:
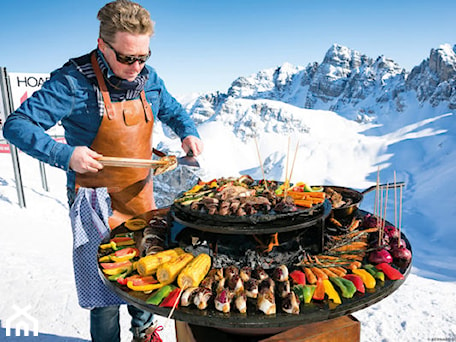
(161, 294)
(347, 288)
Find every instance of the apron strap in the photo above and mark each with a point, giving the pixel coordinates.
(103, 88)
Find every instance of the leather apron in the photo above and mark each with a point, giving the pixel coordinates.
(125, 131)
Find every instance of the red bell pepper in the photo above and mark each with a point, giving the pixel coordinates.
(357, 281)
(299, 278)
(319, 293)
(171, 299)
(390, 271)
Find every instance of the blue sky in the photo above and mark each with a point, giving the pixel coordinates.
(202, 46)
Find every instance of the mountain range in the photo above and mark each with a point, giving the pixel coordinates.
(348, 82)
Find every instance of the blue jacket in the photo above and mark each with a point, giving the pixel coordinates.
(70, 98)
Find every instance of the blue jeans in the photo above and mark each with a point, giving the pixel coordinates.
(105, 326)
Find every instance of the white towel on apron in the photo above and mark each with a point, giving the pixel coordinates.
(89, 221)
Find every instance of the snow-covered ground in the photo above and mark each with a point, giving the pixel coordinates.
(36, 243)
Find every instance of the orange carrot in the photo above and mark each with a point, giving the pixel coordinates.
(319, 273)
(303, 203)
(328, 272)
(310, 276)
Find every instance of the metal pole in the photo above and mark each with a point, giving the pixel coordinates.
(8, 105)
(44, 182)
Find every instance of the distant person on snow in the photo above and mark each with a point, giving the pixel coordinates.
(107, 101)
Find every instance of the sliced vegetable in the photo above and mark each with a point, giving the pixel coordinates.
(346, 287)
(357, 281)
(112, 268)
(376, 273)
(171, 299)
(304, 292)
(390, 271)
(310, 276)
(331, 292)
(147, 283)
(135, 224)
(298, 277)
(319, 293)
(368, 279)
(161, 294)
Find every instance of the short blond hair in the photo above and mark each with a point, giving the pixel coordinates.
(124, 16)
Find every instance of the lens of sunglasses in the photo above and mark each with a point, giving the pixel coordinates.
(129, 60)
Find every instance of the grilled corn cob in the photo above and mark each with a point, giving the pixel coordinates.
(148, 265)
(167, 272)
(195, 271)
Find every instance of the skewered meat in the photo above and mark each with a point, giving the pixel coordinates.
(188, 296)
(266, 302)
(283, 288)
(251, 288)
(286, 205)
(280, 273)
(222, 301)
(202, 297)
(245, 273)
(241, 302)
(290, 303)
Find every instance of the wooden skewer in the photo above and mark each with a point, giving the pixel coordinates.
(395, 201)
(286, 166)
(174, 308)
(294, 159)
(386, 205)
(261, 164)
(400, 216)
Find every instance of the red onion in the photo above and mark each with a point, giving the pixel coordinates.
(402, 256)
(392, 232)
(369, 221)
(379, 256)
(394, 243)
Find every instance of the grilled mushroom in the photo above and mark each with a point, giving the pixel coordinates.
(188, 296)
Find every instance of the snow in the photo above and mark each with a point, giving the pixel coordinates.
(36, 243)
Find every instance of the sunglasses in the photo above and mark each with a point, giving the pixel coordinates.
(129, 59)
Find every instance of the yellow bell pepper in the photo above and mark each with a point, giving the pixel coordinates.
(331, 292)
(147, 283)
(368, 279)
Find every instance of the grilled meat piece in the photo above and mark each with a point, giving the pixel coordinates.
(251, 288)
(290, 303)
(241, 302)
(216, 273)
(280, 273)
(231, 271)
(245, 273)
(223, 300)
(202, 297)
(267, 283)
(236, 284)
(188, 296)
(283, 288)
(260, 273)
(266, 302)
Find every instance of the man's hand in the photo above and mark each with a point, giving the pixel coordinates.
(84, 160)
(194, 144)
